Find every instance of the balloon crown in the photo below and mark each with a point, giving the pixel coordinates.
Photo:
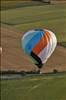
(39, 29)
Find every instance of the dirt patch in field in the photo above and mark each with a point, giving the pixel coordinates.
(13, 57)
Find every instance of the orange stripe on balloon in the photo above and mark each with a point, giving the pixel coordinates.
(42, 43)
(48, 35)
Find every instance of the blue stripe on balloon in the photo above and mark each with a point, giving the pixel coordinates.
(34, 41)
(28, 38)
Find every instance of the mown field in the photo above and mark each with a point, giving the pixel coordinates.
(35, 88)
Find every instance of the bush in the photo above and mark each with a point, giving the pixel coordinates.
(55, 71)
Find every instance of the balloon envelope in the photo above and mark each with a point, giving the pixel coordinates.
(39, 44)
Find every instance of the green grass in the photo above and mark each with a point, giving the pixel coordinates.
(5, 5)
(52, 17)
(34, 88)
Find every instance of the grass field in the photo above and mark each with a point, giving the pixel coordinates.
(34, 88)
(52, 17)
(25, 16)
(5, 5)
(18, 20)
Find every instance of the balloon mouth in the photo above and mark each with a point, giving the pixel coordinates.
(39, 62)
(39, 65)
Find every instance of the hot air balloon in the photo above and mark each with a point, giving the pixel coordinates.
(39, 44)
